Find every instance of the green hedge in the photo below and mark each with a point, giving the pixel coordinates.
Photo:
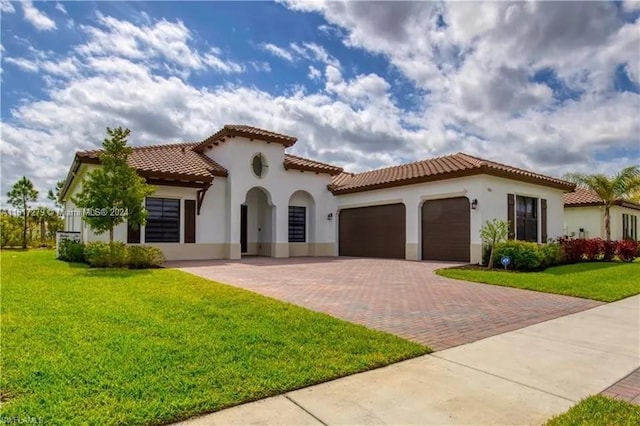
(525, 256)
(71, 251)
(142, 257)
(98, 255)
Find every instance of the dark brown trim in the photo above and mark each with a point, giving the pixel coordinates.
(133, 235)
(318, 169)
(189, 221)
(511, 215)
(543, 221)
(179, 183)
(200, 197)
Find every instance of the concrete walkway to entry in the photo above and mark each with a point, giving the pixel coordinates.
(520, 377)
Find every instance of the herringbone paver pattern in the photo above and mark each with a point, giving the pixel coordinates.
(396, 296)
(627, 389)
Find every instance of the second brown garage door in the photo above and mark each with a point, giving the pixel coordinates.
(377, 231)
(446, 229)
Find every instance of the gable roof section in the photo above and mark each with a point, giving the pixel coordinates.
(446, 167)
(304, 164)
(250, 132)
(585, 197)
(165, 161)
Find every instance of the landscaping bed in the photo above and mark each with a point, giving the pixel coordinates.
(121, 346)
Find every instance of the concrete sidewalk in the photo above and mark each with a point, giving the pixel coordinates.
(521, 377)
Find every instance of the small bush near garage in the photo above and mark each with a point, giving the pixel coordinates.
(100, 255)
(142, 257)
(71, 251)
(525, 256)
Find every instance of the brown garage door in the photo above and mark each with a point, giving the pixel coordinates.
(446, 229)
(377, 231)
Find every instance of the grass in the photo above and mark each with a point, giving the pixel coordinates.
(604, 281)
(120, 346)
(599, 411)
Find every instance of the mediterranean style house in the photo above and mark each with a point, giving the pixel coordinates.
(239, 193)
(584, 216)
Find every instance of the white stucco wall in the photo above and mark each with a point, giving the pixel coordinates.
(218, 224)
(235, 155)
(491, 193)
(591, 218)
(492, 202)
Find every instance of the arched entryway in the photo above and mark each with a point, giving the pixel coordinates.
(302, 224)
(257, 223)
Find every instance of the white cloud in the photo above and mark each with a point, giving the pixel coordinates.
(163, 40)
(314, 73)
(277, 51)
(6, 7)
(36, 17)
(60, 8)
(477, 72)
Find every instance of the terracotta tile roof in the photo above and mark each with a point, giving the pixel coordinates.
(585, 197)
(581, 196)
(175, 160)
(300, 163)
(233, 130)
(446, 167)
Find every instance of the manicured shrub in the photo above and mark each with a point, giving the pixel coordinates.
(627, 250)
(142, 257)
(551, 255)
(71, 251)
(525, 256)
(610, 248)
(100, 255)
(571, 249)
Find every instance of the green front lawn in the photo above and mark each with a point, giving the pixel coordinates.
(98, 346)
(605, 281)
(599, 411)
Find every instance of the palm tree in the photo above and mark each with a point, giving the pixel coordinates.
(610, 189)
(22, 193)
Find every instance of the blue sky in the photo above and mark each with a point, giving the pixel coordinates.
(549, 86)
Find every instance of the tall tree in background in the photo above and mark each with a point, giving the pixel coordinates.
(114, 188)
(22, 193)
(610, 189)
(54, 194)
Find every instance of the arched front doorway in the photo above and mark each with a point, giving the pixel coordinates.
(257, 223)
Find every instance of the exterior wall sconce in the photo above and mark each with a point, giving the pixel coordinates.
(330, 216)
(474, 204)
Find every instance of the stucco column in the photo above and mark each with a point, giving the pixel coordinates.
(233, 226)
(280, 221)
(412, 238)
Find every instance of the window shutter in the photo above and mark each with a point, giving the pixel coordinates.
(543, 220)
(511, 216)
(133, 235)
(189, 221)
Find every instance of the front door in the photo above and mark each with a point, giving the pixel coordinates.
(243, 229)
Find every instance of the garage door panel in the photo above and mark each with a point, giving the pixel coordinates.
(377, 231)
(446, 229)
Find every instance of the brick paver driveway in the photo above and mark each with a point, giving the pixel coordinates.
(400, 297)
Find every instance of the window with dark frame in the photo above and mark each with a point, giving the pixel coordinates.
(526, 218)
(163, 222)
(629, 227)
(297, 224)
